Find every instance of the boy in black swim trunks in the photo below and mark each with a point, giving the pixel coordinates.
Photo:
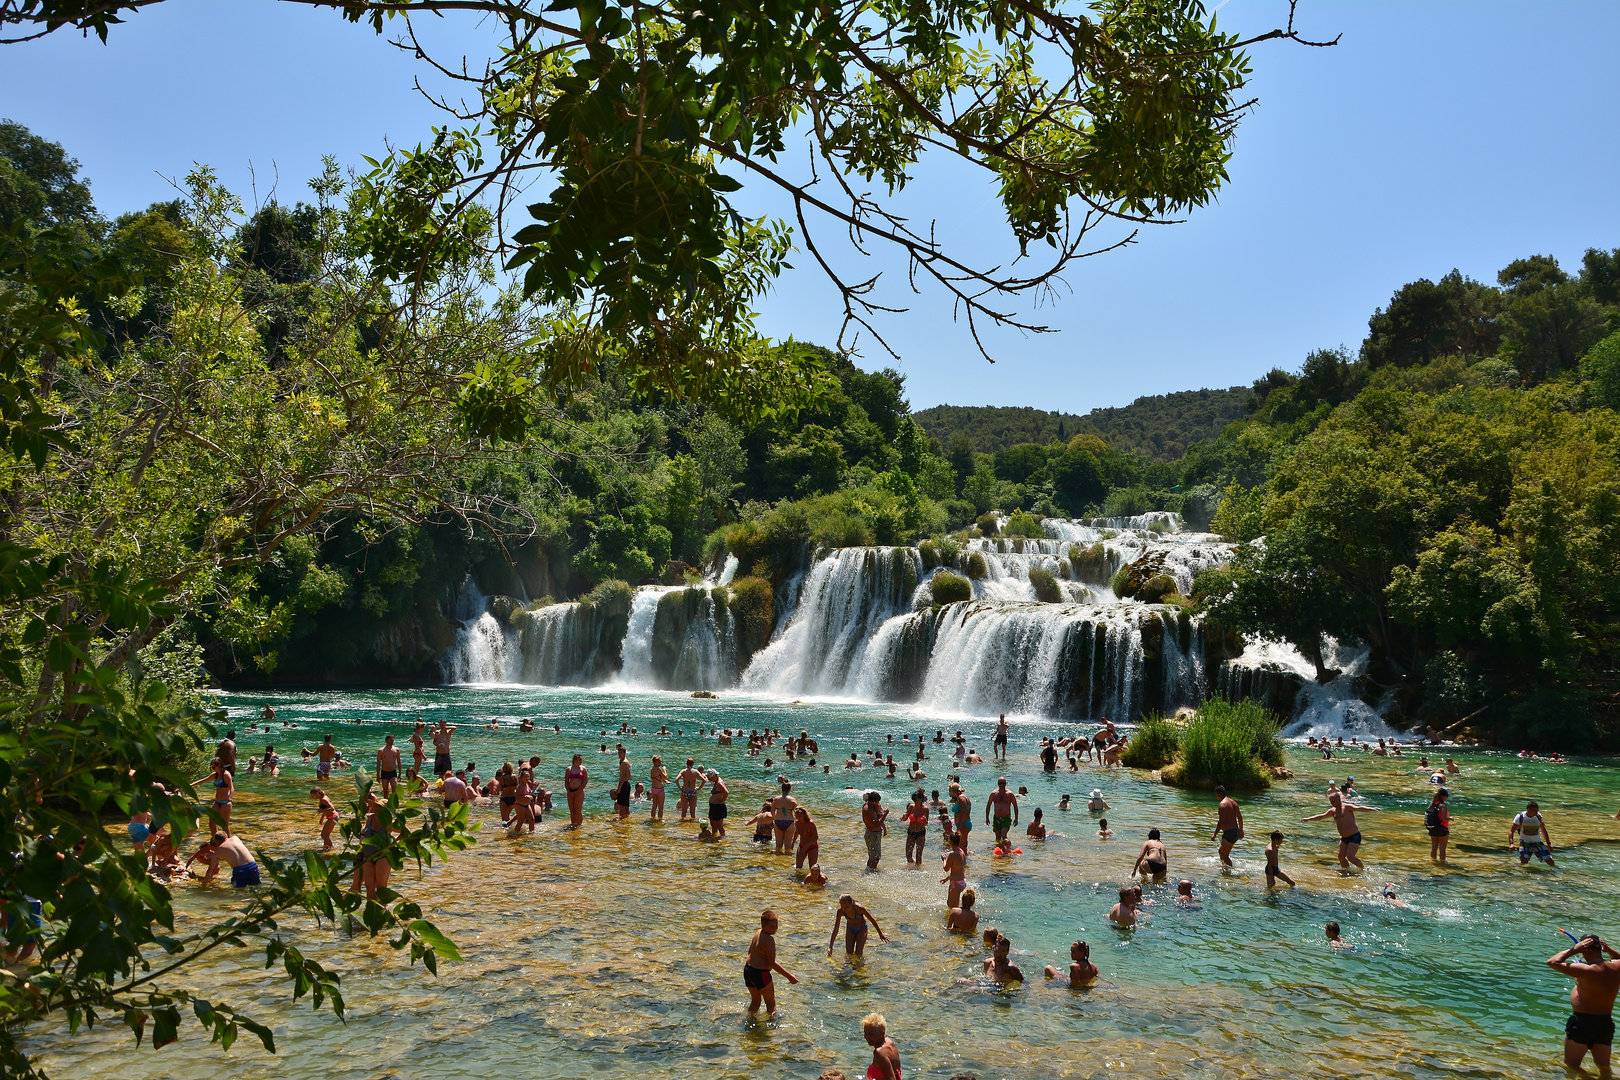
(1273, 869)
(760, 963)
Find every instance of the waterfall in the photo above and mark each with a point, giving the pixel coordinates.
(486, 649)
(637, 669)
(1280, 677)
(845, 597)
(1183, 667)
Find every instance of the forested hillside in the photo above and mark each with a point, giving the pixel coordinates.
(1160, 426)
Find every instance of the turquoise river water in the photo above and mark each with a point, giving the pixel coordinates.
(615, 950)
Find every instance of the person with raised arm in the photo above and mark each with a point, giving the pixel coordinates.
(1344, 818)
(1590, 1026)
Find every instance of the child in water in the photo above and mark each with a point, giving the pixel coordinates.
(1103, 831)
(1273, 870)
(1081, 969)
(1332, 931)
(854, 917)
(815, 879)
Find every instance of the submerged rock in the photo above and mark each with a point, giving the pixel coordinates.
(704, 694)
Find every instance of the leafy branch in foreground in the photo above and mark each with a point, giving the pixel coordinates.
(1077, 115)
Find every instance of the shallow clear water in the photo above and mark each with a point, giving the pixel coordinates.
(615, 951)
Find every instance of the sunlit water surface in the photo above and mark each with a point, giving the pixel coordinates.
(615, 951)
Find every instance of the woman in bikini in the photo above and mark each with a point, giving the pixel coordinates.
(763, 822)
(328, 814)
(915, 817)
(224, 794)
(373, 869)
(655, 789)
(574, 780)
(809, 838)
(507, 782)
(524, 817)
(955, 859)
(855, 917)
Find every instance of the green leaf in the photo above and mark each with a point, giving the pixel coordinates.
(433, 937)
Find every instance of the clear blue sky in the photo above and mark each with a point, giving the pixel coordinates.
(1436, 135)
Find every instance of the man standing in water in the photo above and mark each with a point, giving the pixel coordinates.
(388, 766)
(441, 747)
(1001, 810)
(1534, 840)
(621, 794)
(1344, 816)
(688, 781)
(1228, 824)
(325, 754)
(717, 810)
(782, 807)
(760, 963)
(1591, 1022)
(999, 749)
(876, 820)
(227, 751)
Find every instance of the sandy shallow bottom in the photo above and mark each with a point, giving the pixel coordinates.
(615, 950)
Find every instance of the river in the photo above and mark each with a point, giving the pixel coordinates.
(614, 951)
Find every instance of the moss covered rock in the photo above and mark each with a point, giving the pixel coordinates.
(1046, 586)
(976, 567)
(949, 588)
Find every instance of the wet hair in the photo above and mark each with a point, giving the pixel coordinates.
(217, 839)
(874, 796)
(1153, 834)
(1220, 789)
(969, 898)
(1332, 928)
(1037, 811)
(1103, 822)
(1127, 893)
(1276, 834)
(1081, 947)
(845, 898)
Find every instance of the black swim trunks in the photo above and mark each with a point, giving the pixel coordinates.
(441, 764)
(1439, 830)
(1587, 1029)
(622, 796)
(1156, 868)
(717, 811)
(756, 978)
(1232, 836)
(1356, 839)
(387, 774)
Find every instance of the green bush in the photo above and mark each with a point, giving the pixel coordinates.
(949, 549)
(976, 568)
(1022, 524)
(988, 524)
(1122, 579)
(930, 554)
(753, 606)
(949, 588)
(1156, 588)
(1089, 564)
(1046, 585)
(610, 596)
(1228, 743)
(1153, 745)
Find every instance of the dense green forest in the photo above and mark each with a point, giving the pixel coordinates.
(1159, 426)
(1448, 495)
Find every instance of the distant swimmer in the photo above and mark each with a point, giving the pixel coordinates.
(1344, 817)
(1273, 867)
(1153, 860)
(1081, 970)
(1534, 840)
(1103, 831)
(1333, 938)
(761, 962)
(1096, 803)
(1591, 1020)
(998, 749)
(963, 920)
(854, 918)
(1228, 824)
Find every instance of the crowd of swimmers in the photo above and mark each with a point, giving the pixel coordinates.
(789, 827)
